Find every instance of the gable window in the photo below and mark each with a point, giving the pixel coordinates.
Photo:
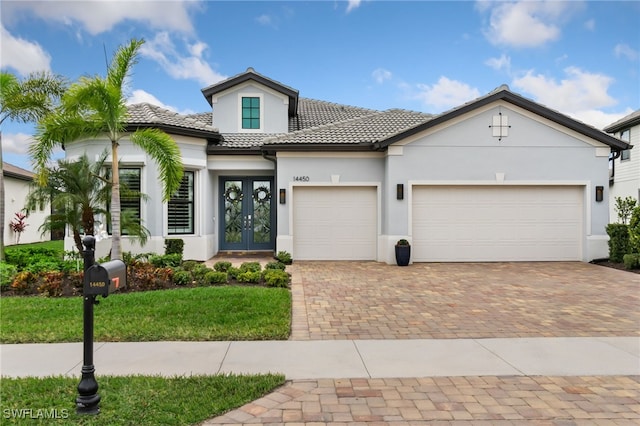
(625, 155)
(625, 135)
(250, 113)
(181, 207)
(130, 205)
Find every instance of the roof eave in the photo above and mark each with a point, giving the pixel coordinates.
(319, 147)
(177, 130)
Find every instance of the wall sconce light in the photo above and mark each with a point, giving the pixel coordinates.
(400, 191)
(599, 193)
(283, 196)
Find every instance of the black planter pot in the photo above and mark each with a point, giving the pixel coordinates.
(403, 255)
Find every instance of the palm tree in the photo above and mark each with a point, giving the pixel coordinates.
(24, 101)
(78, 192)
(95, 106)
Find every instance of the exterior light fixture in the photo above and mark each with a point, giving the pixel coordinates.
(599, 193)
(283, 196)
(400, 191)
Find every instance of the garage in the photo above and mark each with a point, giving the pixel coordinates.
(335, 223)
(497, 223)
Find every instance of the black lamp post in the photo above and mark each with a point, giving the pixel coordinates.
(88, 400)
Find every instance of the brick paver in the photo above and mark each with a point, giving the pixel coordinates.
(367, 300)
(370, 300)
(447, 400)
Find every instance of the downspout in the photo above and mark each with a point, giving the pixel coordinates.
(616, 155)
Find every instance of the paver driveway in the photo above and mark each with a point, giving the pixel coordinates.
(366, 300)
(370, 300)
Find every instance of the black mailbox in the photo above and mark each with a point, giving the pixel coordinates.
(103, 279)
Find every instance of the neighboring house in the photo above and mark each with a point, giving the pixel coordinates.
(16, 188)
(625, 166)
(500, 178)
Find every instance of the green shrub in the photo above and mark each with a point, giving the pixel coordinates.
(275, 265)
(284, 257)
(7, 274)
(624, 207)
(249, 277)
(216, 277)
(43, 265)
(199, 272)
(21, 257)
(190, 265)
(174, 246)
(631, 261)
(222, 266)
(250, 267)
(182, 277)
(233, 272)
(634, 231)
(618, 241)
(276, 278)
(168, 260)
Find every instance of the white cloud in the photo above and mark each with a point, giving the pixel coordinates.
(590, 24)
(16, 143)
(22, 55)
(265, 19)
(100, 16)
(380, 75)
(581, 94)
(626, 51)
(140, 96)
(501, 63)
(446, 94)
(194, 67)
(353, 4)
(525, 23)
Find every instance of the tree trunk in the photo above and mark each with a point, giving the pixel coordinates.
(116, 241)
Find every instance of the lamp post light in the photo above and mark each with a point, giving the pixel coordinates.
(88, 399)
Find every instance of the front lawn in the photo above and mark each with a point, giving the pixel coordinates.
(189, 314)
(132, 400)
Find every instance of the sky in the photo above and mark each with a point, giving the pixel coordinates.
(581, 58)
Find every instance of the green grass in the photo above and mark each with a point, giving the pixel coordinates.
(193, 314)
(132, 400)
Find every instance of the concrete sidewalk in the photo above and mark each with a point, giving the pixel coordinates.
(556, 356)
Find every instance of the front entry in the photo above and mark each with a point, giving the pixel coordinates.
(247, 209)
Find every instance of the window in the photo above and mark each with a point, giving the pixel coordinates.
(626, 155)
(181, 207)
(625, 135)
(130, 205)
(250, 113)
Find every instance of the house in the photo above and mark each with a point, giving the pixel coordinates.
(16, 188)
(624, 180)
(500, 178)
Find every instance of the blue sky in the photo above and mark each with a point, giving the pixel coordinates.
(581, 58)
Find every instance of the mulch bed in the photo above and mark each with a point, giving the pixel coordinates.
(614, 265)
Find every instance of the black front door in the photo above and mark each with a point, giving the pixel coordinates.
(246, 209)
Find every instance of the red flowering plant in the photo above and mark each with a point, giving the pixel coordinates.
(18, 225)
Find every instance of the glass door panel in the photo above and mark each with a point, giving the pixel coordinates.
(248, 214)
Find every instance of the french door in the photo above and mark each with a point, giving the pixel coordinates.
(246, 209)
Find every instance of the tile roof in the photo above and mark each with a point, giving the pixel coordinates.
(148, 114)
(367, 129)
(626, 121)
(9, 169)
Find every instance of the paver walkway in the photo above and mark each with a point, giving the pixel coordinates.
(368, 300)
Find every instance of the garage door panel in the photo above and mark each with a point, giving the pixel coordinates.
(497, 223)
(335, 223)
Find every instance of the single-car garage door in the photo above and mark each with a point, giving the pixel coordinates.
(335, 223)
(497, 223)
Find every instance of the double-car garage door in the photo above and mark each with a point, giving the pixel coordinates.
(448, 223)
(497, 223)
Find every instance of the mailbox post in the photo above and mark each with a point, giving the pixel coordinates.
(99, 280)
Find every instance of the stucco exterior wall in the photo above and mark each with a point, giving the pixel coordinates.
(16, 191)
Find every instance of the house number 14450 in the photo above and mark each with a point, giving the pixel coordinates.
(301, 178)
